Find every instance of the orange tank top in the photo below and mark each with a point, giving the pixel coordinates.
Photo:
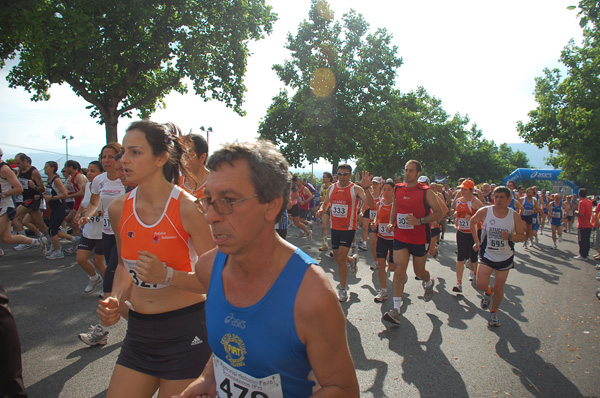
(462, 210)
(344, 206)
(383, 219)
(198, 193)
(166, 238)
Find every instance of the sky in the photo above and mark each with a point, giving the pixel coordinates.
(479, 57)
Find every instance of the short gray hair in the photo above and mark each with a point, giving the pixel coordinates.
(268, 167)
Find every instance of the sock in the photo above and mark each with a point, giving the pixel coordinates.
(429, 282)
(493, 311)
(397, 303)
(364, 242)
(459, 281)
(324, 240)
(489, 291)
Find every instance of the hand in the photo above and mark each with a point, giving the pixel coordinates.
(31, 184)
(505, 235)
(199, 388)
(412, 220)
(108, 311)
(476, 247)
(82, 221)
(149, 268)
(365, 182)
(389, 227)
(47, 197)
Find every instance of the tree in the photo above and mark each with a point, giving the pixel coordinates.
(338, 78)
(567, 118)
(126, 55)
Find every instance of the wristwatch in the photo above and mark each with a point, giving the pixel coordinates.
(422, 220)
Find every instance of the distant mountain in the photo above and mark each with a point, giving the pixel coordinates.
(537, 157)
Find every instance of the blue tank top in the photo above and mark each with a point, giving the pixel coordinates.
(557, 212)
(527, 207)
(512, 204)
(259, 341)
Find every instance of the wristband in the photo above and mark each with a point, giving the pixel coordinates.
(169, 276)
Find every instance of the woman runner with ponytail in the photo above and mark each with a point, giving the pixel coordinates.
(159, 233)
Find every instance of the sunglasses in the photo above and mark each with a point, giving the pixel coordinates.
(343, 174)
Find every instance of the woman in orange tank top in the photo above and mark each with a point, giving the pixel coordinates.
(159, 232)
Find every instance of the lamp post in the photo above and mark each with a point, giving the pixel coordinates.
(208, 130)
(64, 137)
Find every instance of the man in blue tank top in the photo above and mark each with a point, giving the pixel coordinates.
(274, 322)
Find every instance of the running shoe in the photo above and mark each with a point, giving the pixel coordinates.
(95, 336)
(381, 296)
(324, 247)
(55, 254)
(373, 266)
(485, 301)
(598, 277)
(494, 321)
(362, 246)
(309, 236)
(428, 295)
(392, 316)
(525, 244)
(93, 284)
(471, 276)
(342, 294)
(42, 244)
(22, 246)
(559, 238)
(554, 246)
(331, 254)
(354, 265)
(597, 267)
(457, 288)
(579, 257)
(1, 252)
(354, 249)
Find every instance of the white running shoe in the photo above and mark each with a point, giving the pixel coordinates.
(22, 246)
(55, 254)
(382, 295)
(94, 282)
(342, 294)
(95, 336)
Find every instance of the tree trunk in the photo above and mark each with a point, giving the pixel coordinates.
(334, 166)
(110, 123)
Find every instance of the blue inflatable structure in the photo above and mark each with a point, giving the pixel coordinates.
(535, 174)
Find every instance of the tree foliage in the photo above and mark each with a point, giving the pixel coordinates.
(126, 55)
(567, 118)
(339, 77)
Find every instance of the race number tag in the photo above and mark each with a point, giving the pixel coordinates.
(339, 210)
(383, 231)
(130, 267)
(372, 215)
(106, 227)
(495, 241)
(402, 222)
(556, 214)
(463, 223)
(527, 212)
(232, 383)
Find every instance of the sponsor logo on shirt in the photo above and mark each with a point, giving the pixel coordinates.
(238, 323)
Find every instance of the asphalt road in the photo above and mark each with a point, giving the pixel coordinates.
(548, 344)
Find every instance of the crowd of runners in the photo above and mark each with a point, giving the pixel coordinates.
(173, 237)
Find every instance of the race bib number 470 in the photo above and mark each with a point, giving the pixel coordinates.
(232, 383)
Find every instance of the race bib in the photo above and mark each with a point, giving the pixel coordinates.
(383, 231)
(495, 241)
(106, 227)
(233, 383)
(463, 223)
(527, 212)
(339, 210)
(372, 215)
(556, 214)
(402, 222)
(130, 267)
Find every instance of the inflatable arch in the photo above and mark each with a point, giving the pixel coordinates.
(534, 174)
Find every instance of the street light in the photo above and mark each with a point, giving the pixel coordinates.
(64, 137)
(208, 130)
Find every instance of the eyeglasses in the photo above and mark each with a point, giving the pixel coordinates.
(223, 206)
(343, 174)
